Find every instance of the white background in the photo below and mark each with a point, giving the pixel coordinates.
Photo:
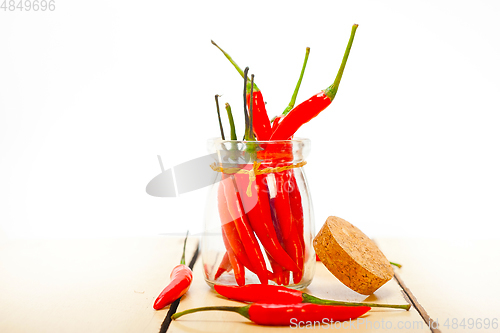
(92, 92)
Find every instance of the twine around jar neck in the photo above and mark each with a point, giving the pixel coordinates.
(252, 173)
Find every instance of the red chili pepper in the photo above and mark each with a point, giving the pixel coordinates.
(309, 109)
(277, 271)
(298, 223)
(286, 314)
(276, 121)
(293, 247)
(244, 228)
(236, 244)
(239, 269)
(300, 115)
(274, 217)
(277, 294)
(287, 225)
(286, 277)
(230, 198)
(224, 266)
(258, 211)
(261, 124)
(253, 293)
(239, 249)
(296, 207)
(229, 227)
(237, 234)
(282, 204)
(180, 280)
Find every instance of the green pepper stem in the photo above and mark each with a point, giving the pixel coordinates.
(231, 122)
(218, 114)
(395, 264)
(235, 65)
(331, 91)
(297, 87)
(242, 310)
(183, 259)
(245, 80)
(250, 120)
(306, 298)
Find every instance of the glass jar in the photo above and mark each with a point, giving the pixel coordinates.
(259, 222)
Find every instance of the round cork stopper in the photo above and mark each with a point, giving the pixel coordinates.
(351, 256)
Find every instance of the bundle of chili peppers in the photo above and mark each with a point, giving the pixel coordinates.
(249, 214)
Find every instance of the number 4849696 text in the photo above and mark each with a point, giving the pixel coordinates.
(28, 5)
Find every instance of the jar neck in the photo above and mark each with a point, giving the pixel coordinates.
(267, 153)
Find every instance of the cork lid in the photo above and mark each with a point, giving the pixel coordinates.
(351, 256)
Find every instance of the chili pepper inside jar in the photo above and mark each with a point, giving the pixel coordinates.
(259, 219)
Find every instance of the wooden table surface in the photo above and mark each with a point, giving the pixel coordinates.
(109, 285)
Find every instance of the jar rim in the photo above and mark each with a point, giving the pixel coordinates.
(296, 149)
(215, 140)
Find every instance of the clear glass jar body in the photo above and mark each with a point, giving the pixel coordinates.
(259, 222)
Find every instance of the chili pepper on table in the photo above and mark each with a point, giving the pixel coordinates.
(277, 294)
(261, 124)
(285, 314)
(180, 280)
(310, 108)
